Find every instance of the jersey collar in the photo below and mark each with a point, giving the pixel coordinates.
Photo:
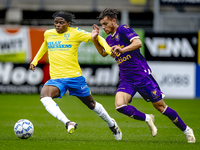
(113, 34)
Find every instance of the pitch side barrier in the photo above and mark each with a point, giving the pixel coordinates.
(176, 79)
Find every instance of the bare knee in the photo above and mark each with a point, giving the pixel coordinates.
(49, 91)
(122, 99)
(160, 105)
(91, 105)
(119, 104)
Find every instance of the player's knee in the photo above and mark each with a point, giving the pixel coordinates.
(42, 96)
(91, 106)
(118, 104)
(160, 108)
(160, 105)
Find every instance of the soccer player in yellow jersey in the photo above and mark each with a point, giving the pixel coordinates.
(62, 44)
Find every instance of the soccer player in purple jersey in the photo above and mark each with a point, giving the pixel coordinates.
(134, 74)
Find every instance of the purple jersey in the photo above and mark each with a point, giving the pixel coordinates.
(132, 65)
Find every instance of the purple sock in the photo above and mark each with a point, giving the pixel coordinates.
(132, 112)
(172, 115)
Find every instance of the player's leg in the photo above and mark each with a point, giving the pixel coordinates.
(48, 92)
(102, 113)
(170, 113)
(153, 93)
(176, 119)
(78, 87)
(121, 103)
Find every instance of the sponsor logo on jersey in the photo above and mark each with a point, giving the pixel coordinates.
(57, 44)
(122, 59)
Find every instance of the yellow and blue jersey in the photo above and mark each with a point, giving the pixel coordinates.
(63, 51)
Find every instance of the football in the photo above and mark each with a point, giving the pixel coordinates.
(23, 129)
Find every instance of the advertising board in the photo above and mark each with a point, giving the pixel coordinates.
(17, 78)
(176, 79)
(171, 47)
(21, 44)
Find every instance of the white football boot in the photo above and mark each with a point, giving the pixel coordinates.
(151, 125)
(116, 131)
(189, 135)
(71, 126)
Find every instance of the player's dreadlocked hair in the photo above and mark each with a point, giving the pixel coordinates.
(110, 13)
(66, 15)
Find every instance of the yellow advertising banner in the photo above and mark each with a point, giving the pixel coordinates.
(138, 2)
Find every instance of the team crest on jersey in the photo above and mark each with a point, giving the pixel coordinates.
(117, 38)
(67, 35)
(126, 26)
(154, 93)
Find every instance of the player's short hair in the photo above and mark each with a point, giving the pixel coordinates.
(108, 12)
(66, 15)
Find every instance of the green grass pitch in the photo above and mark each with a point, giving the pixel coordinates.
(92, 132)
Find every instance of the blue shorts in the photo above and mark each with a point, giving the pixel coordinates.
(148, 88)
(76, 86)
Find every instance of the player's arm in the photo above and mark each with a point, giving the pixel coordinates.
(135, 44)
(43, 49)
(100, 43)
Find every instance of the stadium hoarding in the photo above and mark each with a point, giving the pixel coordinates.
(20, 44)
(15, 46)
(171, 47)
(176, 79)
(17, 78)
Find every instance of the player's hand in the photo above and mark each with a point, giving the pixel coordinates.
(95, 32)
(113, 55)
(32, 67)
(116, 48)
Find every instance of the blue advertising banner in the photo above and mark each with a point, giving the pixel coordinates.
(197, 81)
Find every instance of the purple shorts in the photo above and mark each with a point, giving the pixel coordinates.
(148, 88)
